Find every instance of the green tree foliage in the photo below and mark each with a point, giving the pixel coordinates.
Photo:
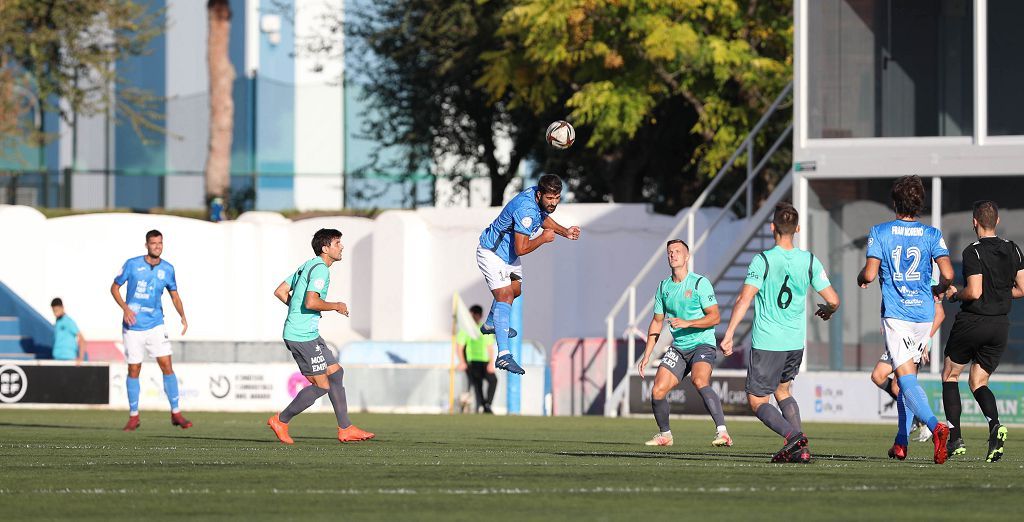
(418, 63)
(661, 91)
(62, 53)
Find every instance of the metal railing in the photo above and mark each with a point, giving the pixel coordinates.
(688, 222)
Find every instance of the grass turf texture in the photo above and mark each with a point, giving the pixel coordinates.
(78, 464)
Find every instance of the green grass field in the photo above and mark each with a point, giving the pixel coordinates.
(78, 464)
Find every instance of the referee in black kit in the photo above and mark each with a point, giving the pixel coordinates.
(993, 270)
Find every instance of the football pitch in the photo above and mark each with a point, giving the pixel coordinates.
(79, 465)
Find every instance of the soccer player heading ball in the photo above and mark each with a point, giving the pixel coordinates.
(510, 236)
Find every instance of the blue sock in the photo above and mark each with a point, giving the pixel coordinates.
(906, 419)
(502, 315)
(917, 401)
(171, 389)
(132, 384)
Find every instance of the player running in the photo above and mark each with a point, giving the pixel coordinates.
(994, 274)
(688, 300)
(304, 292)
(900, 254)
(142, 326)
(881, 374)
(778, 279)
(509, 237)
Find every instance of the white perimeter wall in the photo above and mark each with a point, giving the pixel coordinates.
(398, 273)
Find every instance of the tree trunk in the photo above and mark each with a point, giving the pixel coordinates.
(222, 105)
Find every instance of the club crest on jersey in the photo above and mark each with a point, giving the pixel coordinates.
(688, 294)
(160, 274)
(527, 221)
(318, 284)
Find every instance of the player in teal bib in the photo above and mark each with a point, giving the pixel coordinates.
(776, 283)
(687, 301)
(305, 294)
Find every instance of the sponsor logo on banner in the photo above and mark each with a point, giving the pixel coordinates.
(685, 399)
(828, 399)
(13, 383)
(220, 386)
(1009, 401)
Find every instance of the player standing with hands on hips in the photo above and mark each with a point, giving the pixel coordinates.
(509, 237)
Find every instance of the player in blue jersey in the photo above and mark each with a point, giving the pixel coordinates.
(522, 227)
(143, 323)
(900, 255)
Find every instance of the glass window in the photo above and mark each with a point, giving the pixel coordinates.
(889, 68)
(1005, 70)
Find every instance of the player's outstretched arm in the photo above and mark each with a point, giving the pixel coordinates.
(180, 308)
(572, 233)
(869, 272)
(129, 315)
(313, 302)
(283, 292)
(524, 245)
(831, 298)
(738, 311)
(653, 333)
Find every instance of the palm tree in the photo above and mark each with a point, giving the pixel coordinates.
(222, 105)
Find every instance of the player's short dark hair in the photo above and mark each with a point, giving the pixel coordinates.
(908, 196)
(674, 241)
(56, 302)
(323, 238)
(549, 184)
(476, 309)
(153, 233)
(785, 219)
(986, 212)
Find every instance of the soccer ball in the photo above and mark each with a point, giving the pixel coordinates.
(560, 134)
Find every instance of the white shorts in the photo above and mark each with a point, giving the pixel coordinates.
(497, 272)
(904, 340)
(137, 343)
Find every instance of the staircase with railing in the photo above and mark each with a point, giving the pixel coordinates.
(729, 268)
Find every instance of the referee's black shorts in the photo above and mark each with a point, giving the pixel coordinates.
(978, 338)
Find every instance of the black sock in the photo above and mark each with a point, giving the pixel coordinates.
(661, 411)
(772, 417)
(713, 403)
(952, 406)
(338, 400)
(987, 400)
(791, 411)
(887, 388)
(303, 400)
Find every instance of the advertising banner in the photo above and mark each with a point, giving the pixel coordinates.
(57, 384)
(685, 400)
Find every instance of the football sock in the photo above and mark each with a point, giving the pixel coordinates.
(987, 400)
(502, 315)
(171, 389)
(661, 411)
(490, 315)
(338, 400)
(132, 385)
(917, 401)
(906, 420)
(952, 406)
(791, 411)
(887, 388)
(303, 400)
(772, 417)
(713, 404)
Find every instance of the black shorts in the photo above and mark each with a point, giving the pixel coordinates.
(680, 362)
(978, 338)
(312, 357)
(768, 369)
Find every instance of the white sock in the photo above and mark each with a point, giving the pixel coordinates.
(721, 429)
(504, 352)
(667, 433)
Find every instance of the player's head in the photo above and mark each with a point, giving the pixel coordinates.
(328, 241)
(154, 243)
(678, 253)
(986, 215)
(477, 312)
(549, 192)
(58, 307)
(908, 196)
(786, 220)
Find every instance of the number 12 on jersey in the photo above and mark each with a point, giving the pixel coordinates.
(914, 256)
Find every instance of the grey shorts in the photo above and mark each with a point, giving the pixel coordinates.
(312, 357)
(767, 369)
(680, 362)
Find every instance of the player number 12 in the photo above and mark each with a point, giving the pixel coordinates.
(914, 255)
